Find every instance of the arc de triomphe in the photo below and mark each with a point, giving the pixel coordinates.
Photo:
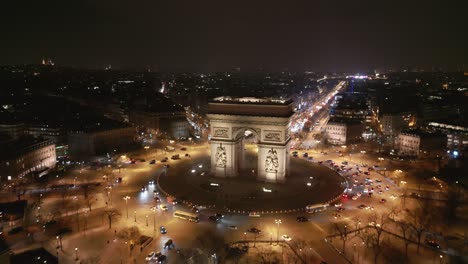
(268, 119)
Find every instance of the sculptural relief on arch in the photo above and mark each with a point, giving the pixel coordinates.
(266, 119)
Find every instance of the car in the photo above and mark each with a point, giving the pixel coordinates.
(362, 206)
(161, 259)
(232, 227)
(187, 155)
(379, 181)
(219, 216)
(254, 214)
(359, 194)
(366, 173)
(157, 199)
(183, 149)
(380, 192)
(432, 243)
(340, 209)
(338, 204)
(355, 197)
(142, 160)
(302, 219)
(336, 216)
(387, 188)
(195, 209)
(416, 195)
(150, 256)
(344, 163)
(310, 158)
(213, 218)
(286, 238)
(254, 230)
(344, 195)
(383, 201)
(163, 207)
(162, 229)
(143, 189)
(166, 166)
(152, 162)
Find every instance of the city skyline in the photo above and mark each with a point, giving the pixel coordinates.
(353, 37)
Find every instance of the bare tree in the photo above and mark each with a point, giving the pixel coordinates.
(210, 242)
(420, 220)
(342, 231)
(112, 214)
(405, 230)
(19, 189)
(453, 201)
(377, 223)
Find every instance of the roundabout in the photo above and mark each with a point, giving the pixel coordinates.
(308, 183)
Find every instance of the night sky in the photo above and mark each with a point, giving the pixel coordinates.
(222, 35)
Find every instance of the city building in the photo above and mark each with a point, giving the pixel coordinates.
(420, 143)
(100, 138)
(26, 156)
(457, 134)
(342, 132)
(162, 116)
(393, 123)
(352, 106)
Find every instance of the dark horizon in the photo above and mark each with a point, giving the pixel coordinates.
(326, 37)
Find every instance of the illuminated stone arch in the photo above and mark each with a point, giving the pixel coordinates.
(268, 119)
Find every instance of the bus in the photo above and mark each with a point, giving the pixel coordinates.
(316, 208)
(186, 216)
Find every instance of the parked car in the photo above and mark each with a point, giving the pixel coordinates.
(254, 230)
(162, 229)
(232, 227)
(286, 238)
(302, 219)
(152, 162)
(150, 256)
(163, 207)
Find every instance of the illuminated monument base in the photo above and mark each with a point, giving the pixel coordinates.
(268, 120)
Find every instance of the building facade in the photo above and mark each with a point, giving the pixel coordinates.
(418, 143)
(173, 124)
(99, 141)
(25, 157)
(343, 132)
(392, 124)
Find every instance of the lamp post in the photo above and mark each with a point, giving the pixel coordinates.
(154, 217)
(271, 238)
(57, 240)
(345, 231)
(146, 220)
(277, 222)
(359, 226)
(76, 253)
(134, 215)
(126, 198)
(245, 236)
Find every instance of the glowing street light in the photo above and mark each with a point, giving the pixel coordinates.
(126, 198)
(153, 209)
(277, 222)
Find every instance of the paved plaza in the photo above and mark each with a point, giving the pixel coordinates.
(307, 183)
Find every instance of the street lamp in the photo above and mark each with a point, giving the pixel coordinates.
(245, 236)
(126, 198)
(277, 222)
(154, 217)
(146, 220)
(57, 240)
(134, 215)
(76, 253)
